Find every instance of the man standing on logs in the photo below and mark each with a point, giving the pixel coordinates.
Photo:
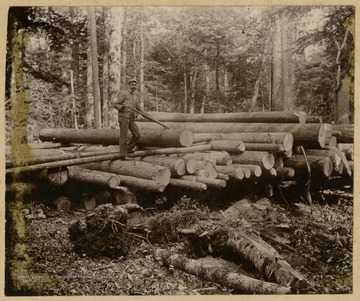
(126, 100)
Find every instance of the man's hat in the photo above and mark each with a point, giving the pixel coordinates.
(132, 80)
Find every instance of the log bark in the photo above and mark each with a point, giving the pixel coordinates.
(264, 159)
(142, 170)
(264, 147)
(150, 137)
(177, 166)
(265, 258)
(344, 133)
(230, 146)
(94, 177)
(219, 271)
(216, 183)
(285, 139)
(171, 150)
(188, 184)
(319, 165)
(232, 171)
(250, 117)
(302, 133)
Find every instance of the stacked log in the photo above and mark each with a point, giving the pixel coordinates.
(201, 151)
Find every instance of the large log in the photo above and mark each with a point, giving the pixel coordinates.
(143, 170)
(151, 137)
(344, 133)
(319, 165)
(230, 146)
(176, 165)
(171, 150)
(94, 177)
(269, 116)
(302, 133)
(264, 159)
(284, 139)
(187, 184)
(219, 271)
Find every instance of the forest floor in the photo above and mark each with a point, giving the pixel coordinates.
(315, 240)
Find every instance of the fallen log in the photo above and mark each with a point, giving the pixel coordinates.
(282, 174)
(219, 271)
(284, 139)
(188, 184)
(216, 183)
(151, 137)
(264, 159)
(233, 171)
(94, 177)
(344, 133)
(177, 166)
(142, 170)
(250, 117)
(302, 133)
(319, 165)
(230, 146)
(264, 257)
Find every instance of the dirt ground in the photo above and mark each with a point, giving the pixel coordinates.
(315, 240)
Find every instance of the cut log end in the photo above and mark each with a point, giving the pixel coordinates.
(113, 181)
(186, 138)
(268, 161)
(288, 142)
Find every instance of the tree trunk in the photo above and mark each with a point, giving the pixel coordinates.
(161, 138)
(95, 68)
(185, 92)
(89, 105)
(251, 117)
(263, 159)
(141, 61)
(115, 52)
(75, 50)
(94, 177)
(193, 91)
(314, 133)
(219, 271)
(105, 75)
(142, 170)
(277, 97)
(124, 48)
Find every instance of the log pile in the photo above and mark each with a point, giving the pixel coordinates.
(198, 151)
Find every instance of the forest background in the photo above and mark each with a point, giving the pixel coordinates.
(65, 65)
